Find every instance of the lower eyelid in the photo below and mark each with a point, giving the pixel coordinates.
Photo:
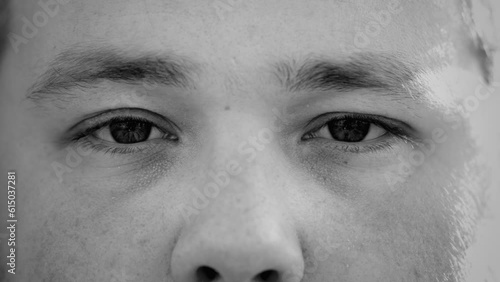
(385, 142)
(97, 146)
(369, 148)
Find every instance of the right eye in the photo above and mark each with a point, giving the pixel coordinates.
(124, 131)
(351, 130)
(129, 131)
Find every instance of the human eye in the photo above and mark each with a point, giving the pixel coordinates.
(123, 131)
(353, 132)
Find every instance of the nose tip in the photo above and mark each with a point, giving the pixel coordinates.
(271, 259)
(246, 234)
(208, 274)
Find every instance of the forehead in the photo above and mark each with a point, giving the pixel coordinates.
(229, 30)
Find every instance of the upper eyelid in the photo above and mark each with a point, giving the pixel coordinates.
(100, 120)
(324, 119)
(393, 126)
(121, 119)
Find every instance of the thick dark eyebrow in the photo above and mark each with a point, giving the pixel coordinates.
(85, 67)
(359, 71)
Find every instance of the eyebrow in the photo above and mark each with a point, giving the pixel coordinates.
(384, 72)
(84, 67)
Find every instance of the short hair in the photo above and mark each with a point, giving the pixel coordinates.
(482, 32)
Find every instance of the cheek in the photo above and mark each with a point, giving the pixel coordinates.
(422, 228)
(418, 229)
(128, 239)
(98, 223)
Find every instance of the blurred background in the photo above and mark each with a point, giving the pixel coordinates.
(485, 253)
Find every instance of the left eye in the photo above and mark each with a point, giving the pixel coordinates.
(350, 130)
(128, 131)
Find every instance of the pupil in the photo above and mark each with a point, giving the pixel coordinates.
(349, 130)
(127, 132)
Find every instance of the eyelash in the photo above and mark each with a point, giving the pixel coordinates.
(371, 146)
(83, 138)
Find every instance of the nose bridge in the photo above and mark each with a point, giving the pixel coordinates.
(244, 233)
(245, 164)
(249, 200)
(246, 169)
(238, 126)
(246, 139)
(241, 155)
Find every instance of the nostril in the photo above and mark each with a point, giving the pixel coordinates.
(267, 276)
(206, 274)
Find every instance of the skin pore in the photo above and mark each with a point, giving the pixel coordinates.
(239, 177)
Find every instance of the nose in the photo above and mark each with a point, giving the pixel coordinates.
(238, 240)
(248, 256)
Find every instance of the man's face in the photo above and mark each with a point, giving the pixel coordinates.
(241, 140)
